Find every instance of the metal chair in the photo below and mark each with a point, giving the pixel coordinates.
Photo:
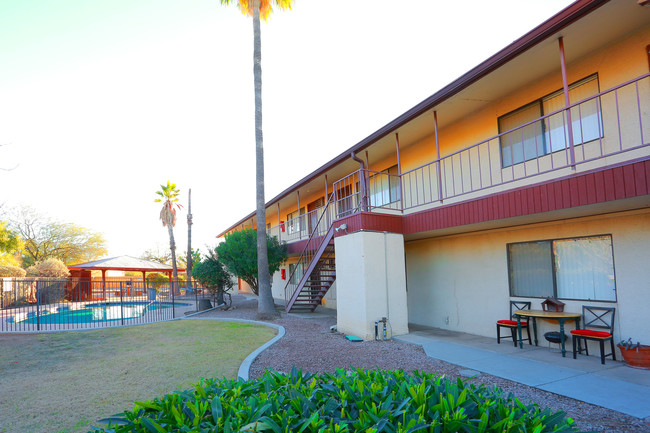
(512, 324)
(600, 318)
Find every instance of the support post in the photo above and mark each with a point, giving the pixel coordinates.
(565, 85)
(104, 284)
(399, 171)
(121, 305)
(299, 216)
(435, 127)
(279, 224)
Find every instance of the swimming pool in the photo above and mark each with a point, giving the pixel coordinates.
(96, 312)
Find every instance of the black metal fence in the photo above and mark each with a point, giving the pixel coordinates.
(43, 304)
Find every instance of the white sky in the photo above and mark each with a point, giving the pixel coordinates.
(102, 101)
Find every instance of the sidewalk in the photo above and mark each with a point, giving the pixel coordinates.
(613, 385)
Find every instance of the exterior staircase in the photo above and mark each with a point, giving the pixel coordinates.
(315, 267)
(317, 284)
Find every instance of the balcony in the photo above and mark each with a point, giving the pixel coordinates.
(604, 130)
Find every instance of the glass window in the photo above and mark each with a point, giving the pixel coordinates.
(551, 134)
(384, 188)
(524, 143)
(531, 269)
(578, 268)
(295, 272)
(584, 268)
(294, 221)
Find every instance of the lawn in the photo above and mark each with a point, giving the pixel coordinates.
(64, 382)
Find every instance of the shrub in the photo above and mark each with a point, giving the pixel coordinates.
(355, 401)
(212, 275)
(50, 268)
(11, 271)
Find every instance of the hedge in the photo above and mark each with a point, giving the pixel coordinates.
(346, 401)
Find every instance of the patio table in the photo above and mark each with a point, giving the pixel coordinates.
(559, 316)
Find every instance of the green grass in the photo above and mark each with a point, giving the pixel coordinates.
(64, 382)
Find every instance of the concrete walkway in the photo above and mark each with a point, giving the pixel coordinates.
(613, 385)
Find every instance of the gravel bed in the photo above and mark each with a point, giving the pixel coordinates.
(311, 346)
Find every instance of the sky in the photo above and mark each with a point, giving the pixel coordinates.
(103, 101)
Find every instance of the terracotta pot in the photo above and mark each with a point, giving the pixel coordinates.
(637, 358)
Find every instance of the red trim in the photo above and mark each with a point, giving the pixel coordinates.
(370, 221)
(614, 183)
(632, 180)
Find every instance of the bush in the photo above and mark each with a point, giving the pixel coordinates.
(11, 271)
(50, 268)
(355, 401)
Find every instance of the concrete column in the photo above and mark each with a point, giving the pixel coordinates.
(371, 283)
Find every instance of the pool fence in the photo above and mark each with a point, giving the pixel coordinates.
(45, 304)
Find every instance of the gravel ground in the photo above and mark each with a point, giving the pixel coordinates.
(311, 346)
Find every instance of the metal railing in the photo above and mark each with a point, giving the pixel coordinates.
(43, 304)
(607, 125)
(298, 228)
(319, 230)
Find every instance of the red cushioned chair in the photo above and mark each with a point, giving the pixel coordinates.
(512, 324)
(601, 318)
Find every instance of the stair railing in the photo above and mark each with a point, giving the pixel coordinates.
(313, 247)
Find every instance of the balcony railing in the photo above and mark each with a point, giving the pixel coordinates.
(612, 124)
(610, 127)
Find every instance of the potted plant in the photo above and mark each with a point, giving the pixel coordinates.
(635, 355)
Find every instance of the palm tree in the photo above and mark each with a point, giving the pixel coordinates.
(260, 9)
(169, 198)
(188, 266)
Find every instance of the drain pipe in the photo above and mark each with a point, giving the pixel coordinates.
(362, 181)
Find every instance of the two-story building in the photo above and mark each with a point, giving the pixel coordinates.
(527, 177)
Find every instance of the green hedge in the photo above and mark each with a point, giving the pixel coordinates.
(347, 401)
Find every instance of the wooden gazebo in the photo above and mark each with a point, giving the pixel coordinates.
(82, 271)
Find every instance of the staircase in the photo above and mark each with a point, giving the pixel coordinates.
(317, 284)
(315, 266)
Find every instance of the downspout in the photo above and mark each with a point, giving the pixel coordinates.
(362, 181)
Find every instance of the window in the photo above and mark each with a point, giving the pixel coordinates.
(551, 134)
(295, 271)
(384, 189)
(577, 268)
(293, 221)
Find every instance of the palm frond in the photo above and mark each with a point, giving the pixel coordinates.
(266, 6)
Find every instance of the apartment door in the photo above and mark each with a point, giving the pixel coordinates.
(312, 214)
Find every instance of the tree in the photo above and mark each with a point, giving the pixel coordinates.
(260, 9)
(169, 198)
(52, 268)
(10, 246)
(212, 275)
(239, 254)
(195, 258)
(11, 271)
(189, 262)
(156, 255)
(44, 239)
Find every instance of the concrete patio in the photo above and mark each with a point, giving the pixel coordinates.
(613, 385)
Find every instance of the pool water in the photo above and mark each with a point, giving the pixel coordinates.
(97, 312)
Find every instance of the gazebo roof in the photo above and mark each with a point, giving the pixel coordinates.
(123, 263)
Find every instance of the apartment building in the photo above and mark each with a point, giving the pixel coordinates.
(527, 177)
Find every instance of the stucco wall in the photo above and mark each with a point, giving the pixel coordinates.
(461, 282)
(371, 279)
